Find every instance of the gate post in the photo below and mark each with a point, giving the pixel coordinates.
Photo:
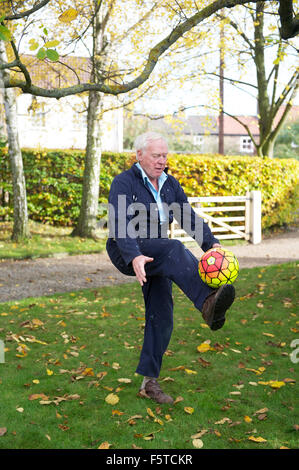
(255, 217)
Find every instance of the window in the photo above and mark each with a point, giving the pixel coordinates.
(38, 119)
(246, 144)
(79, 121)
(198, 140)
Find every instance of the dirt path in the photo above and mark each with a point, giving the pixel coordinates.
(46, 276)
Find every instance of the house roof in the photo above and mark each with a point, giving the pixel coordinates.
(234, 127)
(201, 125)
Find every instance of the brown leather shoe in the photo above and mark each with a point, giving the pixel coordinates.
(153, 390)
(216, 304)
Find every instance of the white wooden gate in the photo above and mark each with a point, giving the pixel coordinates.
(246, 224)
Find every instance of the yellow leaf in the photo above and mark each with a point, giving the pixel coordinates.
(68, 15)
(204, 347)
(53, 43)
(117, 412)
(189, 410)
(36, 396)
(35, 381)
(124, 381)
(150, 413)
(104, 445)
(49, 372)
(257, 439)
(247, 419)
(158, 420)
(88, 371)
(276, 384)
(112, 399)
(197, 443)
(189, 371)
(37, 322)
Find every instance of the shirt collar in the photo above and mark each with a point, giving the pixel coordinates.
(161, 179)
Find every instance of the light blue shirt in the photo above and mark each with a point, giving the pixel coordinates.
(155, 193)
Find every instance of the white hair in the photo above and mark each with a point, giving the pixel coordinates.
(143, 139)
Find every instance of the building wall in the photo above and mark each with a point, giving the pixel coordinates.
(209, 144)
(49, 123)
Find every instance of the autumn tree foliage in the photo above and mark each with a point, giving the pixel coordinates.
(125, 42)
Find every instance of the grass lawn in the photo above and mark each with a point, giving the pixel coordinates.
(46, 240)
(68, 380)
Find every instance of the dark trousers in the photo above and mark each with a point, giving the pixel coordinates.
(172, 263)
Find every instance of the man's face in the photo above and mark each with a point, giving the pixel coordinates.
(153, 158)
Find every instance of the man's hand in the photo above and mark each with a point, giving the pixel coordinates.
(216, 245)
(138, 264)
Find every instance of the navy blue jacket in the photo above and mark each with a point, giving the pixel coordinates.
(145, 216)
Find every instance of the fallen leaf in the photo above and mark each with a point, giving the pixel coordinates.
(49, 372)
(204, 347)
(203, 362)
(197, 443)
(189, 371)
(124, 381)
(262, 416)
(3, 431)
(257, 439)
(178, 399)
(101, 375)
(104, 445)
(261, 411)
(199, 434)
(224, 420)
(189, 410)
(159, 421)
(20, 410)
(150, 413)
(117, 412)
(112, 399)
(247, 419)
(36, 396)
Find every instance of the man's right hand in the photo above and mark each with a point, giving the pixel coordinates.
(138, 264)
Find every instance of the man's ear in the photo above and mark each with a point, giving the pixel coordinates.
(139, 155)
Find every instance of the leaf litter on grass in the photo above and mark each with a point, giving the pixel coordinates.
(232, 361)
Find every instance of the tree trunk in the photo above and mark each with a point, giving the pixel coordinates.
(87, 222)
(265, 120)
(20, 225)
(86, 226)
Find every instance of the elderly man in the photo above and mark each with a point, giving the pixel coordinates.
(143, 201)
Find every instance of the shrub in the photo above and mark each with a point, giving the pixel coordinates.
(54, 182)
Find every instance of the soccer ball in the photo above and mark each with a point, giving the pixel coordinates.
(218, 267)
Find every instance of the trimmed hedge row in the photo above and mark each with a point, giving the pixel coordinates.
(54, 182)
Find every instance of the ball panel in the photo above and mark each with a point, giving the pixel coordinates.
(218, 267)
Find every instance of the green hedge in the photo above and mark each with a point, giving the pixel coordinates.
(54, 182)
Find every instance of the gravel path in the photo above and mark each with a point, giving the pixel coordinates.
(46, 276)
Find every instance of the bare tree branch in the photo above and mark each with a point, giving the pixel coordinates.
(155, 53)
(289, 22)
(24, 14)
